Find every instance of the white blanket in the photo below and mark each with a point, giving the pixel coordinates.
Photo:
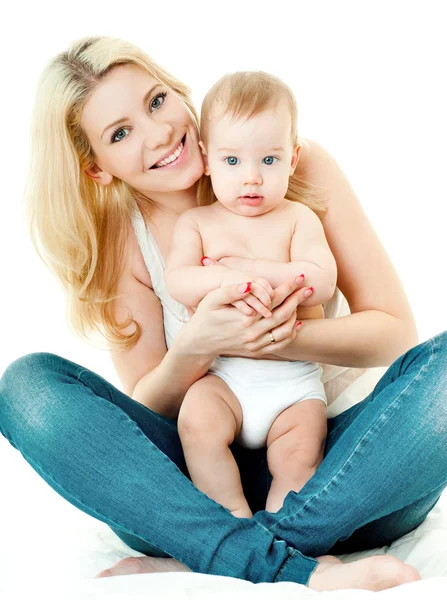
(53, 550)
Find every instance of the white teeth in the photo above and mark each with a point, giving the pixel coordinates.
(170, 158)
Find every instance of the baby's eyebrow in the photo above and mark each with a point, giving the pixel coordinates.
(279, 149)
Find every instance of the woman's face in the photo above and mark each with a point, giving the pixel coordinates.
(154, 127)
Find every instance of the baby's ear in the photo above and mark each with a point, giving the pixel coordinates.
(295, 159)
(205, 159)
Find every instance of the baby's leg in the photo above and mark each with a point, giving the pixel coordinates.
(295, 448)
(209, 419)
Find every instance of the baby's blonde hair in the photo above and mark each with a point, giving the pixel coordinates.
(243, 95)
(79, 227)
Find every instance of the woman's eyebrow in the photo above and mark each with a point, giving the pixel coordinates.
(118, 121)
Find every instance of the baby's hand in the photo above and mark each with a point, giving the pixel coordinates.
(259, 299)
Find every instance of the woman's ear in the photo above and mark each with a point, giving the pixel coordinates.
(98, 175)
(295, 159)
(205, 159)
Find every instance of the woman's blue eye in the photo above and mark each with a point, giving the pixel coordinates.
(114, 138)
(154, 104)
(232, 161)
(157, 97)
(269, 159)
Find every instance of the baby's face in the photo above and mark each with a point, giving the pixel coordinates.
(250, 162)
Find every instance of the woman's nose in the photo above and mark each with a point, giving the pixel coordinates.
(158, 135)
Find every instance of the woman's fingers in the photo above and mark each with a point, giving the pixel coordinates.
(284, 331)
(226, 294)
(285, 289)
(260, 297)
(258, 306)
(244, 308)
(271, 348)
(283, 313)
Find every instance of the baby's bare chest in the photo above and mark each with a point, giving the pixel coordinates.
(252, 237)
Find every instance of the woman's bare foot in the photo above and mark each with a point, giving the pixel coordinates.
(328, 558)
(375, 573)
(143, 564)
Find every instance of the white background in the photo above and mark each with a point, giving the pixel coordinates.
(369, 78)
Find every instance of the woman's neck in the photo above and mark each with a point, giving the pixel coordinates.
(174, 204)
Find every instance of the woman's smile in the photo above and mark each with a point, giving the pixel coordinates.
(178, 154)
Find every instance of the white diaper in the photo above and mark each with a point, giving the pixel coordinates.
(264, 389)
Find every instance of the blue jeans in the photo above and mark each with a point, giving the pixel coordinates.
(384, 469)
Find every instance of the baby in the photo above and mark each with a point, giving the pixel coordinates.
(250, 148)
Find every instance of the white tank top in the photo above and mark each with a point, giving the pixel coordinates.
(346, 385)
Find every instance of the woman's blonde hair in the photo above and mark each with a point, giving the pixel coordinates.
(243, 95)
(79, 227)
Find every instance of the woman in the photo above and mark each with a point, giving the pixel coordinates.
(108, 125)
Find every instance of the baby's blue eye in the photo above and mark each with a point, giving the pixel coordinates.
(269, 160)
(232, 160)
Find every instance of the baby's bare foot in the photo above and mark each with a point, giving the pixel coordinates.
(375, 573)
(143, 564)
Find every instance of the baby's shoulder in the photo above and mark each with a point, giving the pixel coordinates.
(197, 212)
(299, 210)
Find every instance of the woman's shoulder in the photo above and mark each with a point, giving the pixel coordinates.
(313, 158)
(134, 259)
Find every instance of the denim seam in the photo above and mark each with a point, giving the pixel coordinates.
(349, 459)
(278, 577)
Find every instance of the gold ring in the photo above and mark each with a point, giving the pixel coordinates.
(272, 338)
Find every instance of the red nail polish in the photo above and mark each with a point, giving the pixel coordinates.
(248, 287)
(298, 324)
(203, 258)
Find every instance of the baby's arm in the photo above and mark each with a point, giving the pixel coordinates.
(309, 254)
(187, 281)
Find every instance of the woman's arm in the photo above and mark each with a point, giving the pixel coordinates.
(149, 373)
(381, 326)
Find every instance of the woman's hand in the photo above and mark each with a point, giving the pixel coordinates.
(242, 269)
(259, 294)
(216, 328)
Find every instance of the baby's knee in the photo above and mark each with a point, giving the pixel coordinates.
(287, 458)
(207, 423)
